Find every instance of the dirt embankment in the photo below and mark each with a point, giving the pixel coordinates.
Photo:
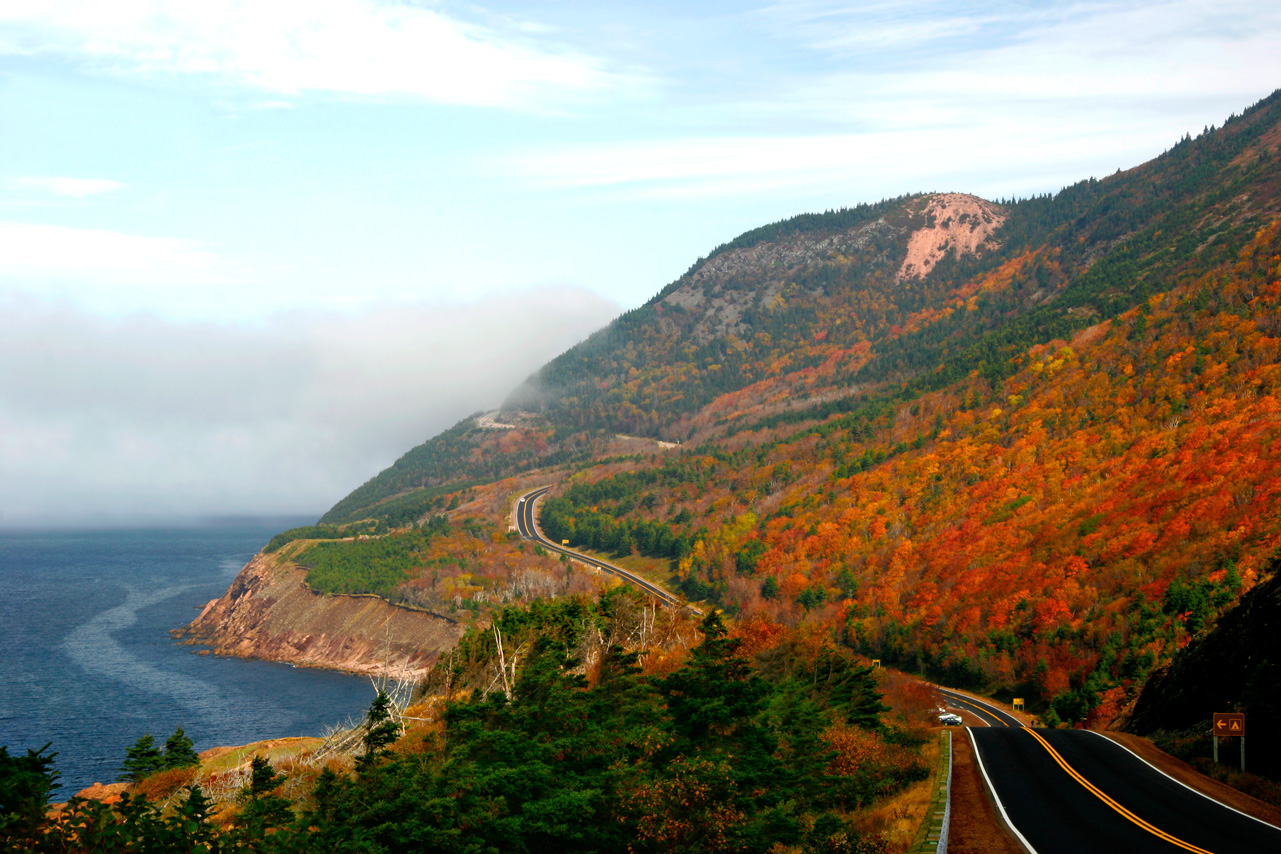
(976, 826)
(270, 613)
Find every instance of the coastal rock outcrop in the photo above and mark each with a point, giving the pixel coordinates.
(270, 613)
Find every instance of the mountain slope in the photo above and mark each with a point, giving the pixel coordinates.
(999, 442)
(836, 281)
(1234, 668)
(823, 300)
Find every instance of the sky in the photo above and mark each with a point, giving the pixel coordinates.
(251, 252)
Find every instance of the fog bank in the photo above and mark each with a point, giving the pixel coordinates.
(143, 421)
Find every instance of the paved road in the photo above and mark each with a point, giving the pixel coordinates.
(527, 525)
(1077, 791)
(989, 714)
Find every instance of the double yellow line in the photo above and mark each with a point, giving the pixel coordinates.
(1094, 790)
(981, 709)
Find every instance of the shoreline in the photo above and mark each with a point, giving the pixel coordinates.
(269, 613)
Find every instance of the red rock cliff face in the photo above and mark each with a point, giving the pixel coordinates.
(270, 613)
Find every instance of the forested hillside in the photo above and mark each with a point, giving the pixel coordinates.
(812, 309)
(1031, 447)
(622, 730)
(1028, 445)
(1057, 534)
(1236, 668)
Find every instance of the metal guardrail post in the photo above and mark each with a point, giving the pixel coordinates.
(947, 801)
(932, 836)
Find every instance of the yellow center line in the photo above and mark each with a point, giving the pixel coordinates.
(1173, 840)
(988, 712)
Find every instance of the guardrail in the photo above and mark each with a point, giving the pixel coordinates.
(931, 838)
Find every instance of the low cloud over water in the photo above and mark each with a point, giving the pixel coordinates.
(115, 421)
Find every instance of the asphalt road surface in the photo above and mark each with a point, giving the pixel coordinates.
(1061, 791)
(1077, 791)
(527, 525)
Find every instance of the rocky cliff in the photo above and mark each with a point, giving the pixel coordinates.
(270, 613)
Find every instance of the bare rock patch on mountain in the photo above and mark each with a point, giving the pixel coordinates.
(958, 223)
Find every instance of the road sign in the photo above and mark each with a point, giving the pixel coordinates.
(876, 662)
(1018, 704)
(1229, 723)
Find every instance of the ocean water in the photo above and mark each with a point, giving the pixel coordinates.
(87, 663)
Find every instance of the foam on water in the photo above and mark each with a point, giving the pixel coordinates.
(89, 665)
(94, 647)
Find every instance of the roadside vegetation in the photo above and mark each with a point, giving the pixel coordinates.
(553, 730)
(1048, 470)
(1039, 469)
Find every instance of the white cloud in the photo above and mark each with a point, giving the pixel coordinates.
(890, 30)
(135, 419)
(914, 95)
(346, 47)
(31, 251)
(1077, 56)
(76, 188)
(871, 165)
(876, 26)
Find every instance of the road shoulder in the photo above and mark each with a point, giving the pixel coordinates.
(976, 827)
(1194, 779)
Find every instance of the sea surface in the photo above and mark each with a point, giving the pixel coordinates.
(87, 663)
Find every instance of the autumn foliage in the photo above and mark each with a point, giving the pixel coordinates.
(1039, 467)
(1056, 534)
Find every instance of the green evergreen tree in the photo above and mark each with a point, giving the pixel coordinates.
(769, 588)
(180, 752)
(191, 826)
(380, 730)
(262, 777)
(263, 811)
(715, 698)
(141, 761)
(798, 723)
(26, 782)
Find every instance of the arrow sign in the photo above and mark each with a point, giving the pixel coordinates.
(1229, 723)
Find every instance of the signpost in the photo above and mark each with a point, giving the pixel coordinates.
(1018, 704)
(876, 662)
(1228, 724)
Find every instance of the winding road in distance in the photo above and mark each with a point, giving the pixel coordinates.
(1078, 791)
(1061, 791)
(527, 525)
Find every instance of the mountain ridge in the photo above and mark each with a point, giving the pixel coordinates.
(991, 465)
(1083, 295)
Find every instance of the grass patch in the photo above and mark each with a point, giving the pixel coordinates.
(375, 566)
(655, 570)
(895, 819)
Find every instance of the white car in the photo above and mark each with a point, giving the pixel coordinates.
(950, 719)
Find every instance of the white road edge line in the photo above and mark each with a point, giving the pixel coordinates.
(995, 797)
(618, 572)
(992, 710)
(1181, 783)
(998, 713)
